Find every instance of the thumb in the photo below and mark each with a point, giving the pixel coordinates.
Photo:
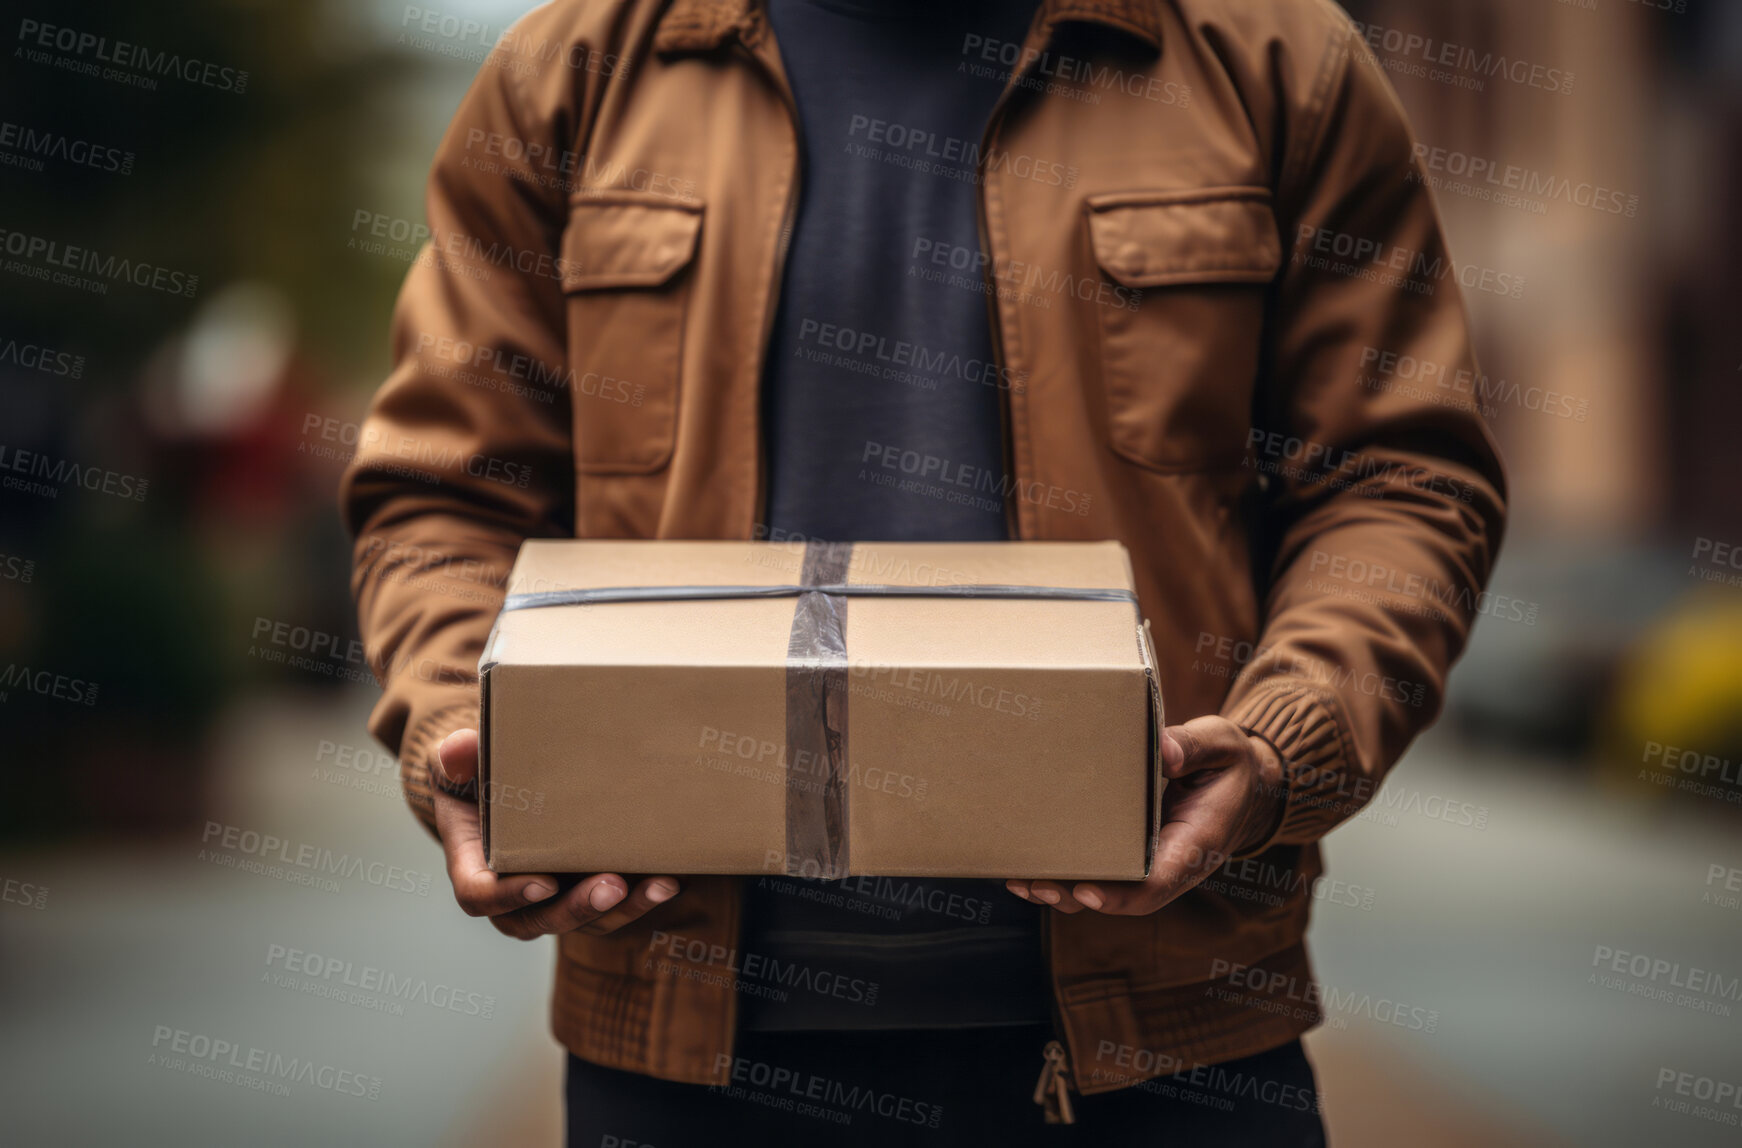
(1173, 755)
(1202, 743)
(458, 756)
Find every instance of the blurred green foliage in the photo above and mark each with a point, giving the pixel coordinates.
(150, 599)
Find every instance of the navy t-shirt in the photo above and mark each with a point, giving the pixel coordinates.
(882, 418)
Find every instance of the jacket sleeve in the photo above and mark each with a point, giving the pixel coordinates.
(1384, 496)
(466, 449)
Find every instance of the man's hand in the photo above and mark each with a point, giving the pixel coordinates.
(1224, 797)
(526, 905)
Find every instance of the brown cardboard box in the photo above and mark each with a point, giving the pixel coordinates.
(926, 731)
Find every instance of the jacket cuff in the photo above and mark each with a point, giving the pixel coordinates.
(419, 771)
(1299, 721)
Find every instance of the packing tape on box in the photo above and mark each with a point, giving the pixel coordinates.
(816, 718)
(816, 680)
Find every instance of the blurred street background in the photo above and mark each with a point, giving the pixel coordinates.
(1578, 806)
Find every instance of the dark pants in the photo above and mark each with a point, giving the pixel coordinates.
(966, 1086)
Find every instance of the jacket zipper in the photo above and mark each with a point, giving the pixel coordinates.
(1052, 1090)
(734, 911)
(784, 242)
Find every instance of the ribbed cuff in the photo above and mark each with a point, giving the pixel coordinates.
(1300, 723)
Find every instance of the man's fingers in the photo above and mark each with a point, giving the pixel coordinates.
(1206, 809)
(479, 891)
(581, 903)
(482, 893)
(645, 896)
(458, 756)
(1055, 895)
(491, 896)
(602, 903)
(1184, 855)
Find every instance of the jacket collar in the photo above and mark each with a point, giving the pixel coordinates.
(702, 25)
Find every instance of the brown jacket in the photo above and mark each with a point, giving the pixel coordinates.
(1232, 339)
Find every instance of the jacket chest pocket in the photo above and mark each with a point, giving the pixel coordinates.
(624, 280)
(1179, 366)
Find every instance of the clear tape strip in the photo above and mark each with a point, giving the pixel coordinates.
(602, 594)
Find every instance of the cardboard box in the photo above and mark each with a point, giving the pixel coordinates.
(952, 710)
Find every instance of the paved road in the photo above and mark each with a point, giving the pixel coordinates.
(116, 992)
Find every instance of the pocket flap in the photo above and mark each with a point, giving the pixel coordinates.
(1201, 235)
(618, 242)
